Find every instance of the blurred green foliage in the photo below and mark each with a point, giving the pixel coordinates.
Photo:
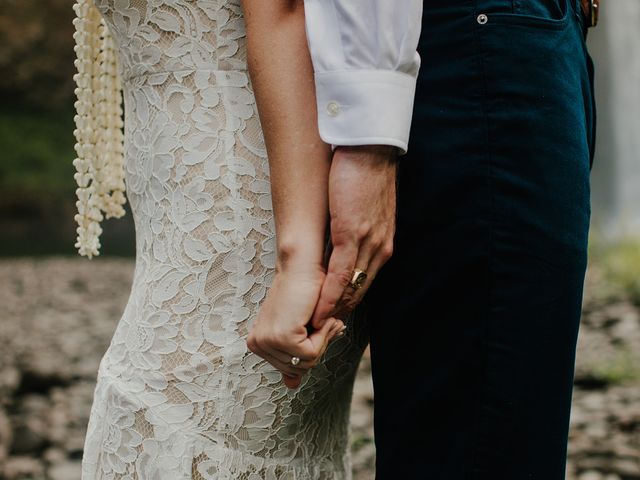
(37, 150)
(36, 99)
(37, 188)
(620, 369)
(619, 261)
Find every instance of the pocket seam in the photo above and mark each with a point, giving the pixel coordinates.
(532, 21)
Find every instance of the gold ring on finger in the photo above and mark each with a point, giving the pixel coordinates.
(357, 279)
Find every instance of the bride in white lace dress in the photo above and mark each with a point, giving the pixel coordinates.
(179, 395)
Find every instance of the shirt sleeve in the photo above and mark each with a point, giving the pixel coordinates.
(365, 67)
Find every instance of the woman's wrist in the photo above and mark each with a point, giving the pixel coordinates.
(299, 253)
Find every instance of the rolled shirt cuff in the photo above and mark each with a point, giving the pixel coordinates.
(365, 107)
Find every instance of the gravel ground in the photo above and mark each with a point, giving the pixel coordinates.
(52, 341)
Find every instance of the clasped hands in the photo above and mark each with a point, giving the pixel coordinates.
(308, 300)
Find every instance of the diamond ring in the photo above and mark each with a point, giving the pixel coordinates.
(295, 361)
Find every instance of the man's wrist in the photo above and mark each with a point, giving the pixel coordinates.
(376, 156)
(387, 150)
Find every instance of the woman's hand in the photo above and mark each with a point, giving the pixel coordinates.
(280, 330)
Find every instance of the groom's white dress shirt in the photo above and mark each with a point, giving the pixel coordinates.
(365, 65)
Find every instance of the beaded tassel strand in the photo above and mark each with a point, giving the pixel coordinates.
(99, 138)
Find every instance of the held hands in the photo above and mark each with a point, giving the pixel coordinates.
(280, 331)
(303, 297)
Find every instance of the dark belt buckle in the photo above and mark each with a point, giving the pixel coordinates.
(593, 12)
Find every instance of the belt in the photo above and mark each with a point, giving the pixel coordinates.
(590, 10)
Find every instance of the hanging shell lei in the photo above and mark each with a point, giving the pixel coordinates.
(99, 137)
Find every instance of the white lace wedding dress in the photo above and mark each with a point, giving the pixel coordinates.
(179, 395)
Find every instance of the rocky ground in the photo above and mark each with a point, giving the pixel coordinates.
(52, 340)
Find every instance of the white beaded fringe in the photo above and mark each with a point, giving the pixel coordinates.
(99, 136)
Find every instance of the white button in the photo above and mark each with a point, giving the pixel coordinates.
(482, 19)
(333, 108)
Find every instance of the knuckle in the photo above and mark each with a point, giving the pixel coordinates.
(387, 250)
(377, 242)
(277, 342)
(363, 230)
(343, 278)
(277, 338)
(253, 343)
(262, 341)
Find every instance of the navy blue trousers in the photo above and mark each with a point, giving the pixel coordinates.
(474, 320)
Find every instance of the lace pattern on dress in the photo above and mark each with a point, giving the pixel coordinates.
(179, 395)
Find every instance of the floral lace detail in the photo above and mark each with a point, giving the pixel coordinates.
(179, 395)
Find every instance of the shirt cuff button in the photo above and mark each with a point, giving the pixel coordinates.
(333, 108)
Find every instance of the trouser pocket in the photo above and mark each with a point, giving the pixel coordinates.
(541, 14)
(497, 6)
(551, 9)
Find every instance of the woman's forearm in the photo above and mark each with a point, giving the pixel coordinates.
(282, 77)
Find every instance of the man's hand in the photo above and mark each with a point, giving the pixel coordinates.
(362, 206)
(280, 331)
